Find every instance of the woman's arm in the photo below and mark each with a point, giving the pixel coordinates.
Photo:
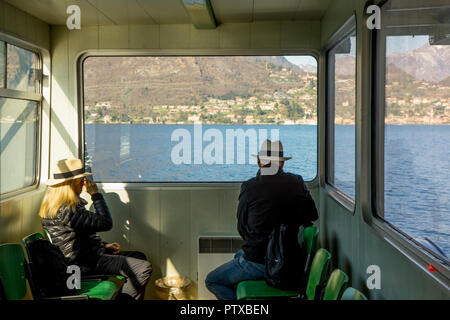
(87, 221)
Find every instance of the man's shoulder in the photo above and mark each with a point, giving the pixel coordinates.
(293, 177)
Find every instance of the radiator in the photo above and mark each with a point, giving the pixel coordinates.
(212, 252)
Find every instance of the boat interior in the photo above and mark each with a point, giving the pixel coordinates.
(172, 221)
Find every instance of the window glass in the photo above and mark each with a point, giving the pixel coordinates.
(197, 118)
(341, 110)
(18, 136)
(22, 69)
(417, 131)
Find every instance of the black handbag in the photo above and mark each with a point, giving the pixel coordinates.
(285, 259)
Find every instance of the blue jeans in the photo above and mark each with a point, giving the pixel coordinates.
(223, 280)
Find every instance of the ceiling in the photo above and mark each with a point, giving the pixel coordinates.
(119, 12)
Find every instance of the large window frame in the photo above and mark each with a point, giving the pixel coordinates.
(414, 251)
(37, 97)
(340, 196)
(180, 52)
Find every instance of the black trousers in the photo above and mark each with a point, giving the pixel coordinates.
(131, 264)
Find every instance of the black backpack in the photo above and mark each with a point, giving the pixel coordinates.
(285, 259)
(48, 269)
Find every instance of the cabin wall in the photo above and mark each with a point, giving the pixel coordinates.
(164, 222)
(18, 215)
(20, 24)
(354, 243)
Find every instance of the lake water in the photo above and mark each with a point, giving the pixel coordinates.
(417, 172)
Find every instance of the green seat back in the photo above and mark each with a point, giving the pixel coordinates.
(337, 281)
(30, 239)
(12, 270)
(47, 234)
(310, 238)
(353, 294)
(318, 273)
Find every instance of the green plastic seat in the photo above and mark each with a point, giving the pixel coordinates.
(47, 235)
(100, 290)
(105, 289)
(30, 239)
(309, 236)
(335, 285)
(318, 273)
(259, 289)
(12, 271)
(353, 294)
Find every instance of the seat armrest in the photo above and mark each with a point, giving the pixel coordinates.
(94, 277)
(80, 297)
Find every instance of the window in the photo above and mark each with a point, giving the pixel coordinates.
(197, 118)
(19, 116)
(413, 177)
(341, 103)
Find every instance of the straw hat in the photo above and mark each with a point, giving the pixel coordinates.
(271, 151)
(67, 169)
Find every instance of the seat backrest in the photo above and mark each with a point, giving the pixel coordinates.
(12, 271)
(310, 238)
(30, 239)
(47, 234)
(335, 285)
(318, 272)
(353, 294)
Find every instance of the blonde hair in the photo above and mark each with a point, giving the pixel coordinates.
(57, 196)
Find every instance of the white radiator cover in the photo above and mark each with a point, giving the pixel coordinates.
(213, 251)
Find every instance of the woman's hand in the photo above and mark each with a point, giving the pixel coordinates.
(113, 248)
(91, 187)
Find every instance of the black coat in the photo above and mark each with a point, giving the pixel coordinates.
(267, 200)
(74, 232)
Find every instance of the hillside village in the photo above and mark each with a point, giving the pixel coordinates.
(286, 96)
(295, 106)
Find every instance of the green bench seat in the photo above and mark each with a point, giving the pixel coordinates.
(14, 271)
(103, 287)
(261, 290)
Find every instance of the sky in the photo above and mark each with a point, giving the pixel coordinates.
(401, 44)
(395, 44)
(302, 60)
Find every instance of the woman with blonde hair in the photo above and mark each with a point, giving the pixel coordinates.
(73, 228)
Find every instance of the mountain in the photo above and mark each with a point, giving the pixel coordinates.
(345, 65)
(184, 80)
(308, 68)
(445, 82)
(393, 73)
(429, 63)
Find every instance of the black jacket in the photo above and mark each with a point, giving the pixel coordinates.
(74, 232)
(267, 200)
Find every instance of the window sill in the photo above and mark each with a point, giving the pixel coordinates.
(413, 252)
(341, 198)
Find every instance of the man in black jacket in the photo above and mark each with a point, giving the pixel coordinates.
(268, 199)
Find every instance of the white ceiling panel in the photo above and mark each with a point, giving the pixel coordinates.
(264, 10)
(109, 12)
(123, 12)
(232, 10)
(165, 11)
